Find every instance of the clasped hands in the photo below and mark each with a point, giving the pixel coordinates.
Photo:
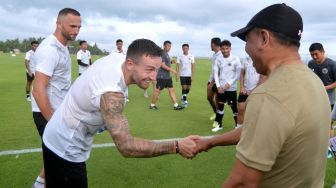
(190, 146)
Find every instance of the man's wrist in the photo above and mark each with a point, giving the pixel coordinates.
(177, 148)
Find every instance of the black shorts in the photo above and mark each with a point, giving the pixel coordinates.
(62, 173)
(164, 83)
(228, 96)
(30, 78)
(185, 80)
(214, 88)
(242, 97)
(40, 122)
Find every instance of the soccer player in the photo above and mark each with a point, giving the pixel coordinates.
(185, 65)
(97, 99)
(249, 79)
(226, 72)
(119, 47)
(30, 67)
(211, 88)
(283, 142)
(325, 69)
(83, 57)
(164, 79)
(53, 72)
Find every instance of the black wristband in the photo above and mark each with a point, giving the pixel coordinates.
(177, 149)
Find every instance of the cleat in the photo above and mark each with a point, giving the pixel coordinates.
(153, 108)
(217, 128)
(178, 107)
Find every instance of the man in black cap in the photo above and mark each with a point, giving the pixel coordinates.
(283, 141)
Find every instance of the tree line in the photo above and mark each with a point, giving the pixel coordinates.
(24, 46)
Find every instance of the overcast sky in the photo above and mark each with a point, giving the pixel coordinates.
(180, 21)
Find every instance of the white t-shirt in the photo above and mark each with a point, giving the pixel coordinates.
(251, 77)
(52, 58)
(70, 131)
(185, 62)
(85, 58)
(118, 52)
(30, 57)
(213, 59)
(227, 70)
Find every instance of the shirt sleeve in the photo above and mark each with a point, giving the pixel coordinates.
(79, 57)
(192, 59)
(216, 72)
(27, 57)
(178, 60)
(46, 60)
(267, 124)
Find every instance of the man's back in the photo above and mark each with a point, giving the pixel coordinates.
(285, 131)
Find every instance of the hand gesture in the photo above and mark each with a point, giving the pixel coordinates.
(188, 147)
(220, 90)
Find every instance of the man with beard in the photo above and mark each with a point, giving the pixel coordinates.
(53, 71)
(97, 99)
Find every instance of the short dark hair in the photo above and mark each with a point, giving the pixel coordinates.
(81, 42)
(166, 42)
(66, 11)
(316, 46)
(216, 41)
(285, 40)
(225, 43)
(183, 45)
(119, 40)
(142, 47)
(34, 42)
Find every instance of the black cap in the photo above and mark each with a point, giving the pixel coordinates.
(278, 18)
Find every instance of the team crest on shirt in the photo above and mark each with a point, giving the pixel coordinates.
(325, 71)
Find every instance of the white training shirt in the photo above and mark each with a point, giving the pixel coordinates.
(213, 59)
(251, 77)
(70, 131)
(118, 52)
(30, 57)
(52, 58)
(227, 70)
(85, 58)
(185, 62)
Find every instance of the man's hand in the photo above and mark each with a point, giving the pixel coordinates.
(188, 147)
(173, 71)
(220, 90)
(202, 145)
(227, 86)
(30, 73)
(243, 91)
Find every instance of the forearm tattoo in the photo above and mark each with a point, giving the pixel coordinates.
(112, 105)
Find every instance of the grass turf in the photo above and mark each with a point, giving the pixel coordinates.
(106, 167)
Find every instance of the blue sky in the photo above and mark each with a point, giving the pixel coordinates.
(188, 21)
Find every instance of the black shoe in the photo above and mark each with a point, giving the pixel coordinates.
(178, 107)
(153, 108)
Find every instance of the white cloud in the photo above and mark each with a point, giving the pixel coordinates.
(188, 21)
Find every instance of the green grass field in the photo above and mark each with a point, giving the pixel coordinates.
(106, 167)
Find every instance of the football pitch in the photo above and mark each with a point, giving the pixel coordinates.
(106, 167)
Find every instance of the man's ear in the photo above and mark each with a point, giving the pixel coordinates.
(264, 37)
(129, 63)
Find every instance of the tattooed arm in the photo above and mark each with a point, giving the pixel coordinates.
(111, 106)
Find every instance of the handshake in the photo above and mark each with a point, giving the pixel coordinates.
(190, 146)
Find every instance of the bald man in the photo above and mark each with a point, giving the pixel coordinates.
(53, 72)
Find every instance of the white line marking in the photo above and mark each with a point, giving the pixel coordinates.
(105, 145)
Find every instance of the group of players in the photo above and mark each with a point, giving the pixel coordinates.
(68, 118)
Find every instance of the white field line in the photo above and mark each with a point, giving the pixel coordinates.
(105, 145)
